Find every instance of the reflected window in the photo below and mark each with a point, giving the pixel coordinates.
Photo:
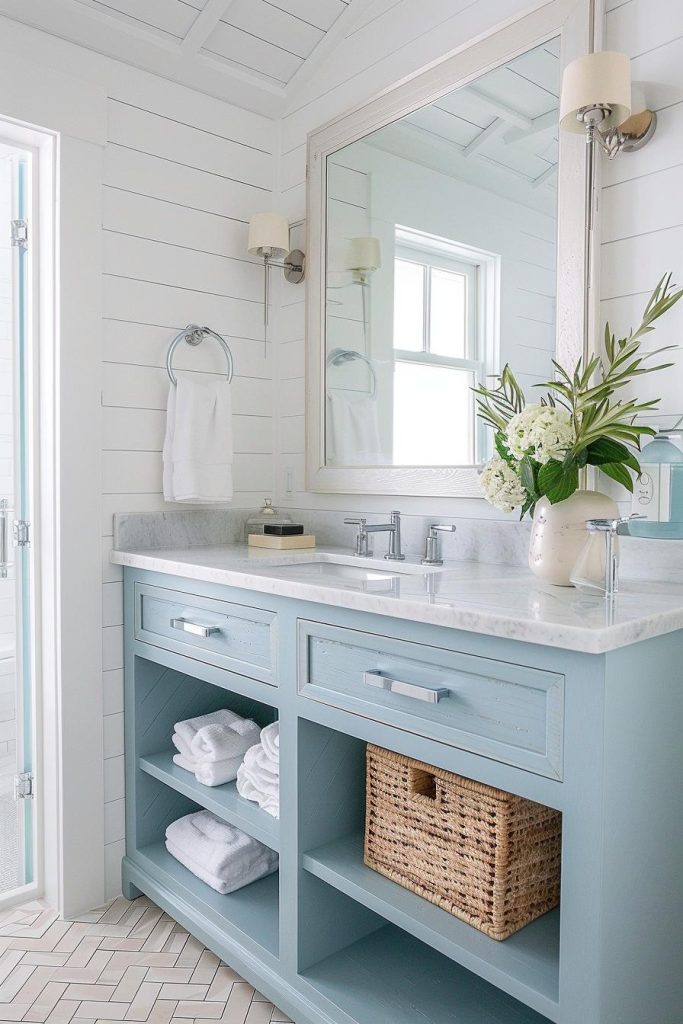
(439, 348)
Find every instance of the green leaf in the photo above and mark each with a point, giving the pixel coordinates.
(502, 448)
(619, 473)
(605, 450)
(558, 480)
(527, 474)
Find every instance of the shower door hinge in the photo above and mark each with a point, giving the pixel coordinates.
(22, 533)
(24, 787)
(20, 233)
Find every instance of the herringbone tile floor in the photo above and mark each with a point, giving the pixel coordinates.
(122, 962)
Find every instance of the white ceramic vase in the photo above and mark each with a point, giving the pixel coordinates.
(558, 533)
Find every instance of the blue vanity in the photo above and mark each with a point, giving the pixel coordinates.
(585, 718)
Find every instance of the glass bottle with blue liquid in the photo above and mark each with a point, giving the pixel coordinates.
(658, 493)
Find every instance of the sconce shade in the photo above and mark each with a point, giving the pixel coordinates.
(596, 80)
(268, 233)
(364, 254)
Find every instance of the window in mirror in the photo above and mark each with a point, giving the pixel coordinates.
(440, 266)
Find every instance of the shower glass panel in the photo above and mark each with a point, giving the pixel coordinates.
(16, 668)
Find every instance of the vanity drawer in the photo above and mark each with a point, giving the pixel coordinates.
(227, 635)
(511, 713)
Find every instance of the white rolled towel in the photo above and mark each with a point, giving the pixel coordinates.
(186, 731)
(221, 885)
(270, 738)
(184, 762)
(218, 741)
(247, 788)
(261, 767)
(217, 773)
(224, 853)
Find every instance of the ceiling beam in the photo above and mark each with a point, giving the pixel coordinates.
(355, 9)
(540, 124)
(545, 176)
(204, 24)
(495, 128)
(500, 109)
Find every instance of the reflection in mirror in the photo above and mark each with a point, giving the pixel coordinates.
(441, 245)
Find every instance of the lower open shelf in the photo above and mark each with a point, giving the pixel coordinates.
(223, 801)
(251, 914)
(526, 964)
(391, 976)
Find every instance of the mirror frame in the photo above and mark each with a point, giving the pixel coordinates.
(573, 21)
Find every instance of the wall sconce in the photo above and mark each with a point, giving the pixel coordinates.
(597, 99)
(269, 239)
(365, 257)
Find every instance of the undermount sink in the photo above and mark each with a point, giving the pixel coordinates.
(344, 573)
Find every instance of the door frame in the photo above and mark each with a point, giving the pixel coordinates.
(67, 124)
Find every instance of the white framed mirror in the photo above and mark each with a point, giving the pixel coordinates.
(446, 239)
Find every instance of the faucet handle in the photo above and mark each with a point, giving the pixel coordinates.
(611, 525)
(431, 555)
(441, 527)
(362, 522)
(363, 549)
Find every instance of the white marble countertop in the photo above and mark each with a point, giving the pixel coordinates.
(479, 597)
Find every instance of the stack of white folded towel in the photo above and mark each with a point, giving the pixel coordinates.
(213, 746)
(217, 853)
(258, 778)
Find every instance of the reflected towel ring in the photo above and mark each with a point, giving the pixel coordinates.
(194, 335)
(339, 356)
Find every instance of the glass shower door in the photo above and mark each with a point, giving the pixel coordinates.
(16, 662)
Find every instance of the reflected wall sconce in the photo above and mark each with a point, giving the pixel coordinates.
(269, 239)
(597, 99)
(364, 258)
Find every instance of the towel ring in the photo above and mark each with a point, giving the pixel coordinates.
(194, 335)
(339, 356)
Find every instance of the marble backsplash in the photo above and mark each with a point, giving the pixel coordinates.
(476, 540)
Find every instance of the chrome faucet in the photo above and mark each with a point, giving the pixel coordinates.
(432, 555)
(393, 528)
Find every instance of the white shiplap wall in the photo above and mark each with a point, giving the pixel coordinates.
(179, 187)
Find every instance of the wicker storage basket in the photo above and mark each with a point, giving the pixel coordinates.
(488, 857)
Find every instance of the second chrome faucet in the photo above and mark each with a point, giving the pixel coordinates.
(393, 528)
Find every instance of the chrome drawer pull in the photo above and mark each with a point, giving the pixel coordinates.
(429, 694)
(186, 626)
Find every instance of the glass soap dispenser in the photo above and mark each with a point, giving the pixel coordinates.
(267, 514)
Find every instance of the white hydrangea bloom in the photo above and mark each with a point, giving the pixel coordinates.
(540, 431)
(501, 485)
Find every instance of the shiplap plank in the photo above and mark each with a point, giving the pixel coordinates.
(292, 434)
(145, 345)
(637, 27)
(642, 205)
(146, 302)
(320, 13)
(275, 25)
(632, 264)
(153, 133)
(172, 17)
(164, 221)
(146, 387)
(143, 430)
(201, 190)
(251, 52)
(162, 263)
(141, 472)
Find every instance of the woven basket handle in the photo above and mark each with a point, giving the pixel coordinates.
(424, 787)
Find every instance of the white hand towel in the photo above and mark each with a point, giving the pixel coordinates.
(187, 730)
(223, 850)
(182, 746)
(221, 885)
(269, 802)
(220, 741)
(353, 427)
(217, 773)
(270, 738)
(184, 762)
(198, 447)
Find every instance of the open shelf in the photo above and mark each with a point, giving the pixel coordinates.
(223, 801)
(251, 914)
(526, 965)
(391, 976)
